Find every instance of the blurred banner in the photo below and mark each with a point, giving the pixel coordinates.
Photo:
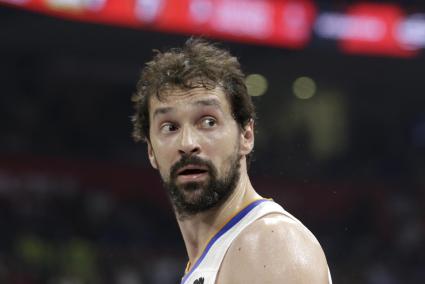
(365, 28)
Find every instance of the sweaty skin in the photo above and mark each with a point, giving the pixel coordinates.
(273, 249)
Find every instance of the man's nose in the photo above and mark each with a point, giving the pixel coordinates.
(189, 144)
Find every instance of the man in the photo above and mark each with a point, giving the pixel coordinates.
(193, 110)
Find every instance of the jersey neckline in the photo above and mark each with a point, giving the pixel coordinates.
(226, 227)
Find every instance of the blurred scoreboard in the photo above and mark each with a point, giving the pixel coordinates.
(364, 28)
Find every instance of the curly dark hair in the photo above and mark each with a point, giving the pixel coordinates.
(198, 64)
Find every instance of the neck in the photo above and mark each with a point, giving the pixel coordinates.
(198, 229)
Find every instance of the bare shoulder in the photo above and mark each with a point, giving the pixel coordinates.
(274, 249)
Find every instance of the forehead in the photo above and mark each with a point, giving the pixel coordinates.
(177, 98)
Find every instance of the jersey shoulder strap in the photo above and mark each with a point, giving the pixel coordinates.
(205, 269)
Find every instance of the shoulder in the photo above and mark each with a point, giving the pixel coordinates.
(273, 249)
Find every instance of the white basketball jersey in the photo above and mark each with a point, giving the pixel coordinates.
(205, 269)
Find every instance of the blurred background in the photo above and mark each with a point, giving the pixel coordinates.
(340, 93)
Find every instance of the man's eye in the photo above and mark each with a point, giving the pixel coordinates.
(208, 122)
(168, 127)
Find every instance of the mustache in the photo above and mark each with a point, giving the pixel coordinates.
(189, 160)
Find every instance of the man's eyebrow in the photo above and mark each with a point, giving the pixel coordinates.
(162, 110)
(208, 102)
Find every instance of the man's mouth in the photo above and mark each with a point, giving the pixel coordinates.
(191, 170)
(192, 173)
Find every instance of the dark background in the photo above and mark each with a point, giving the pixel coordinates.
(79, 202)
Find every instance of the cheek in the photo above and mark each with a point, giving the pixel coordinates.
(163, 156)
(164, 170)
(221, 148)
(225, 137)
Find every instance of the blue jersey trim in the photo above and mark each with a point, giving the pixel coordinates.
(223, 230)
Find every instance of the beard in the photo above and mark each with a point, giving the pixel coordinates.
(191, 198)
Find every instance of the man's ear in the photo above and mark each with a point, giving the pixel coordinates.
(151, 155)
(247, 138)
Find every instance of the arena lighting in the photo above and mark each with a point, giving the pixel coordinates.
(282, 23)
(371, 34)
(16, 2)
(411, 31)
(285, 23)
(362, 28)
(366, 28)
(341, 26)
(254, 18)
(304, 88)
(148, 10)
(257, 84)
(90, 5)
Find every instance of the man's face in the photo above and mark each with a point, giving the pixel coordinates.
(195, 143)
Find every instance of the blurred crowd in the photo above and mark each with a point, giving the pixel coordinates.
(55, 230)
